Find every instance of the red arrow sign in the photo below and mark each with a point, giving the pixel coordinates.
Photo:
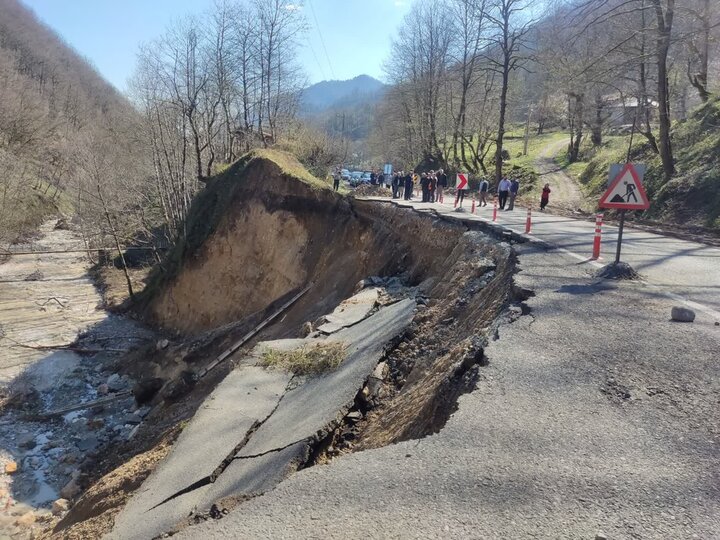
(462, 181)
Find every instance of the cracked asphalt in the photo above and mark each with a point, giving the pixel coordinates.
(596, 414)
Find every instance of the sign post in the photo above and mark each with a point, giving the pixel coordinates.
(625, 192)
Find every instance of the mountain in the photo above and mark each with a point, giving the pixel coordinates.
(332, 94)
(343, 108)
(54, 106)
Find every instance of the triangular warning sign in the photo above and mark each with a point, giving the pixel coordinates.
(626, 192)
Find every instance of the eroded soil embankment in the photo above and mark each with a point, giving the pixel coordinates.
(257, 235)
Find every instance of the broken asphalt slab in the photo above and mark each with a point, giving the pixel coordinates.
(303, 415)
(245, 397)
(351, 311)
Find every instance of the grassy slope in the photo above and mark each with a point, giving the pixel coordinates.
(692, 197)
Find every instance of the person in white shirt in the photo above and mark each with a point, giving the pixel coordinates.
(503, 191)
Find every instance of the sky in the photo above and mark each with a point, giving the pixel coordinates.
(346, 37)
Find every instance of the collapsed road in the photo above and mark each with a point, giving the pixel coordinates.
(490, 387)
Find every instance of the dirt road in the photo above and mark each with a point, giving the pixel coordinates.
(566, 193)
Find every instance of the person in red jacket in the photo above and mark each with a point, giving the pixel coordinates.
(545, 197)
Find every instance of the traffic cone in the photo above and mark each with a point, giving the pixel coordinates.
(528, 222)
(473, 205)
(495, 210)
(598, 236)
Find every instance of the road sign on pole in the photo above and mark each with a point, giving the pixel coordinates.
(626, 191)
(462, 181)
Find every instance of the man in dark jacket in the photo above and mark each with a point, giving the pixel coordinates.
(441, 184)
(408, 186)
(424, 186)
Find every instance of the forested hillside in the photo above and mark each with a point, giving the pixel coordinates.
(66, 135)
(466, 74)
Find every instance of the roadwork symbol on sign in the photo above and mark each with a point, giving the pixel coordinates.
(462, 181)
(626, 191)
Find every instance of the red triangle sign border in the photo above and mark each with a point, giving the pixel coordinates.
(644, 205)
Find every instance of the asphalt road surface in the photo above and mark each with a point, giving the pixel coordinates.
(597, 416)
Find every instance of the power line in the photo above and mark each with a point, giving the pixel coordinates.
(322, 41)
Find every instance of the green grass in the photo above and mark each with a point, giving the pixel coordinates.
(307, 360)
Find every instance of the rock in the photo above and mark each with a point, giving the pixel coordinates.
(381, 371)
(142, 412)
(306, 329)
(359, 286)
(26, 441)
(131, 419)
(70, 489)
(11, 467)
(600, 536)
(162, 344)
(26, 519)
(103, 389)
(88, 444)
(681, 314)
(60, 506)
(180, 387)
(145, 390)
(115, 383)
(354, 416)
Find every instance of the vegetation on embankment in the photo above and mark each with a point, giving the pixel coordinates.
(692, 196)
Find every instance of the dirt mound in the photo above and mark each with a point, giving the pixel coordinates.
(265, 228)
(367, 190)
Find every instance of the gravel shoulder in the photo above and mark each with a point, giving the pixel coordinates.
(595, 414)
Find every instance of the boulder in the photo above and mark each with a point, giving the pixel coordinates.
(162, 344)
(59, 506)
(11, 467)
(681, 314)
(26, 441)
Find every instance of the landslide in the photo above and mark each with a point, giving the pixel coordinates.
(266, 228)
(258, 233)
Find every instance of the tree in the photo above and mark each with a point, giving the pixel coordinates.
(505, 55)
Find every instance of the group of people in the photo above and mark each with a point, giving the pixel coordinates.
(432, 184)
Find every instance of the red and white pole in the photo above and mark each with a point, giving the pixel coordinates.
(494, 209)
(457, 198)
(598, 236)
(473, 205)
(528, 222)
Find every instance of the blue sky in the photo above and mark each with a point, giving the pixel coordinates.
(356, 33)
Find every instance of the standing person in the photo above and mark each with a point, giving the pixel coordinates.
(545, 197)
(395, 185)
(373, 178)
(336, 180)
(381, 179)
(514, 188)
(484, 185)
(424, 187)
(503, 190)
(432, 185)
(408, 186)
(441, 183)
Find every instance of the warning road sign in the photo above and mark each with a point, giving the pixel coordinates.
(462, 181)
(626, 191)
